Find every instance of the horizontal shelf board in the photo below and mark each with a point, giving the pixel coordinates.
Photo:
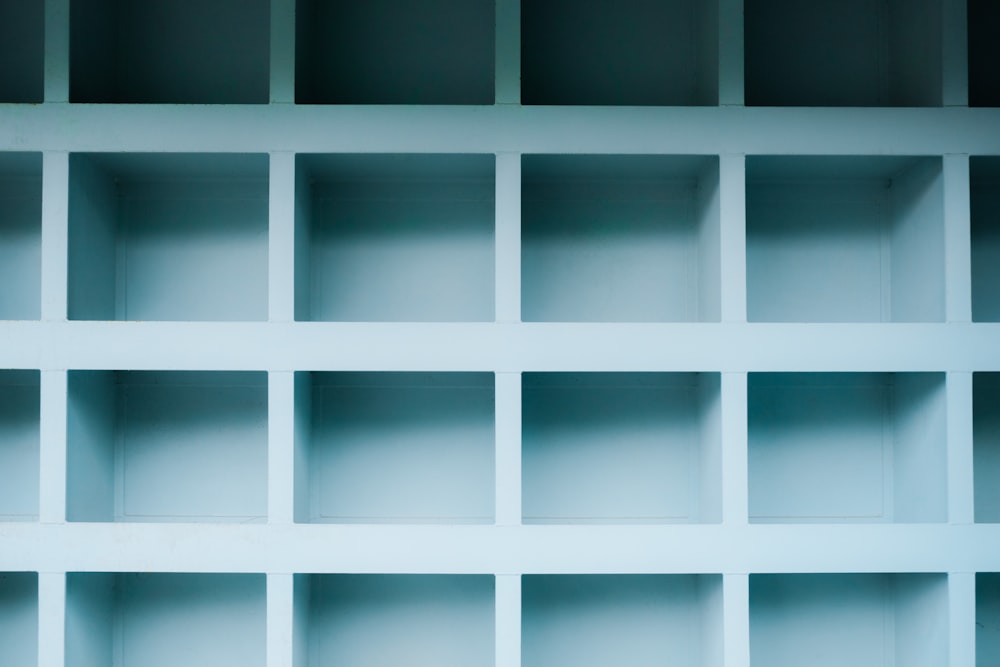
(484, 129)
(502, 347)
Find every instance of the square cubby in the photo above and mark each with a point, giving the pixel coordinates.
(19, 619)
(20, 235)
(373, 620)
(172, 236)
(19, 445)
(984, 53)
(987, 619)
(22, 51)
(620, 52)
(620, 238)
(984, 185)
(394, 52)
(986, 446)
(863, 620)
(843, 53)
(847, 447)
(157, 619)
(404, 238)
(632, 620)
(395, 447)
(844, 239)
(167, 446)
(170, 51)
(621, 448)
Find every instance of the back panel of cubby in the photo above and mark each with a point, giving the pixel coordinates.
(985, 210)
(22, 55)
(19, 445)
(986, 446)
(20, 245)
(18, 618)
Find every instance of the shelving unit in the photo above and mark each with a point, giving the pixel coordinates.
(154, 446)
(20, 235)
(18, 618)
(144, 619)
(367, 620)
(987, 618)
(22, 26)
(621, 448)
(985, 204)
(986, 444)
(19, 444)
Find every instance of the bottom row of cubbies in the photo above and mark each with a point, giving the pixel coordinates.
(159, 619)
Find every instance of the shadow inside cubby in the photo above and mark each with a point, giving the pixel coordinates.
(845, 239)
(168, 237)
(18, 618)
(167, 446)
(22, 51)
(20, 235)
(986, 446)
(388, 447)
(170, 51)
(395, 238)
(621, 448)
(622, 619)
(373, 620)
(984, 53)
(987, 618)
(847, 447)
(140, 619)
(984, 192)
(862, 620)
(843, 53)
(19, 445)
(620, 238)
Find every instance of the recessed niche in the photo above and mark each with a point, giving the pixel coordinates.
(621, 619)
(987, 619)
(20, 233)
(19, 618)
(620, 238)
(621, 448)
(140, 619)
(620, 52)
(395, 447)
(845, 239)
(168, 237)
(394, 52)
(19, 445)
(167, 446)
(22, 51)
(372, 620)
(986, 446)
(843, 53)
(984, 53)
(984, 175)
(863, 620)
(847, 447)
(170, 51)
(395, 237)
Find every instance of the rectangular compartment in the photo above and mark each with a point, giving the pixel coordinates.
(845, 239)
(620, 238)
(395, 237)
(986, 446)
(168, 237)
(22, 51)
(621, 448)
(373, 620)
(987, 619)
(627, 52)
(167, 446)
(862, 620)
(984, 53)
(19, 445)
(394, 52)
(141, 619)
(20, 234)
(622, 619)
(170, 51)
(395, 447)
(984, 190)
(843, 53)
(847, 447)
(19, 619)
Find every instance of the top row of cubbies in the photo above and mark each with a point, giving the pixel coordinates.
(573, 52)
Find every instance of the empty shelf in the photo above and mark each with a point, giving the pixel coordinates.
(845, 239)
(843, 53)
(170, 51)
(165, 619)
(862, 620)
(20, 234)
(395, 237)
(168, 237)
(19, 618)
(620, 238)
(375, 620)
(621, 448)
(167, 446)
(984, 175)
(395, 447)
(847, 447)
(22, 51)
(19, 445)
(394, 52)
(984, 53)
(987, 619)
(627, 620)
(986, 446)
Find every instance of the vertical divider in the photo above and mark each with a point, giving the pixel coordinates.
(55, 235)
(57, 50)
(507, 67)
(282, 52)
(281, 447)
(957, 242)
(280, 620)
(954, 56)
(736, 619)
(508, 237)
(281, 237)
(735, 510)
(51, 619)
(508, 620)
(508, 449)
(962, 619)
(733, 213)
(52, 454)
(961, 498)
(731, 52)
